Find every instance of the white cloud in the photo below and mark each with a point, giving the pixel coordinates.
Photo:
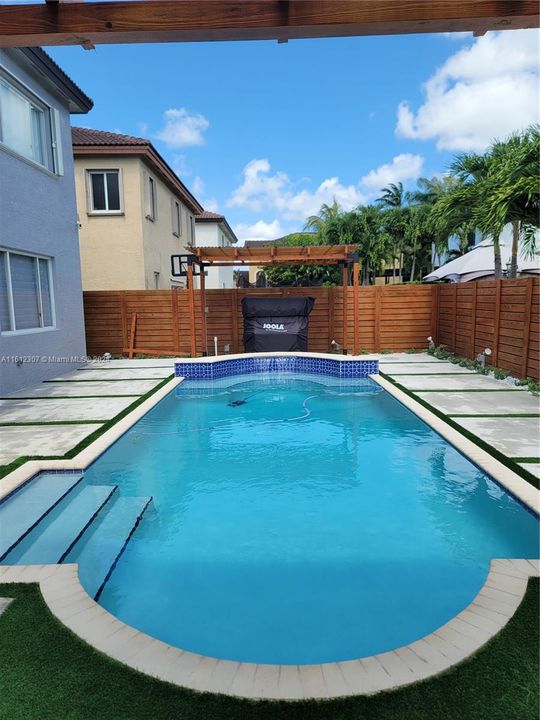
(260, 230)
(182, 128)
(180, 165)
(487, 89)
(263, 190)
(142, 129)
(198, 186)
(458, 36)
(211, 204)
(401, 168)
(260, 189)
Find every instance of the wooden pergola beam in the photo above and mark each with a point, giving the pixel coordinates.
(137, 21)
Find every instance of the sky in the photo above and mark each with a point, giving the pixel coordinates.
(265, 132)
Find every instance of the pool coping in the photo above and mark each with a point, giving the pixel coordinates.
(436, 652)
(450, 644)
(517, 486)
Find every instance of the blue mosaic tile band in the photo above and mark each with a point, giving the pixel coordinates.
(249, 365)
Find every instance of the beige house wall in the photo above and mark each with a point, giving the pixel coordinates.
(111, 245)
(159, 242)
(127, 250)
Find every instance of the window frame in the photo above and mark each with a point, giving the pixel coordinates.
(90, 192)
(9, 287)
(51, 135)
(151, 198)
(176, 211)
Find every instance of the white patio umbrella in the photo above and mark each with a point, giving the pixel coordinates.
(479, 262)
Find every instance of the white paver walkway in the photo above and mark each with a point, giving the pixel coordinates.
(472, 400)
(58, 410)
(482, 403)
(88, 388)
(82, 397)
(475, 381)
(119, 373)
(41, 440)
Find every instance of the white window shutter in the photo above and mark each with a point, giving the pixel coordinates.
(57, 134)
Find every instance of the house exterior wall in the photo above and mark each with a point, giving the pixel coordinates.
(38, 215)
(209, 234)
(112, 256)
(128, 251)
(159, 242)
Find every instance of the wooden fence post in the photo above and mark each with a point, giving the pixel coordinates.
(192, 326)
(454, 315)
(473, 332)
(331, 300)
(345, 306)
(377, 325)
(202, 298)
(527, 326)
(123, 317)
(435, 292)
(356, 328)
(234, 319)
(496, 328)
(175, 321)
(132, 332)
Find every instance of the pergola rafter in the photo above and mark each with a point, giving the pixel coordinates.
(67, 22)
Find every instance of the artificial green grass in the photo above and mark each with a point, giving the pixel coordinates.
(47, 673)
(509, 462)
(6, 469)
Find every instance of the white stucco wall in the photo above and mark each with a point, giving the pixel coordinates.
(209, 234)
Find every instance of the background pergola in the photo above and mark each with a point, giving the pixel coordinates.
(204, 257)
(68, 22)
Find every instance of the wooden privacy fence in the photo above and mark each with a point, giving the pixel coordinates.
(467, 318)
(374, 318)
(502, 315)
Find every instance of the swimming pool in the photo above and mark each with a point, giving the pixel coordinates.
(319, 520)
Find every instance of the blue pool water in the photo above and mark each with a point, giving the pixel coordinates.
(318, 521)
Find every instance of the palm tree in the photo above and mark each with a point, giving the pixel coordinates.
(468, 204)
(514, 196)
(394, 200)
(393, 196)
(319, 223)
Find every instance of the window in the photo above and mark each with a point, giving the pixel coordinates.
(152, 199)
(104, 192)
(156, 280)
(176, 217)
(28, 126)
(191, 239)
(26, 294)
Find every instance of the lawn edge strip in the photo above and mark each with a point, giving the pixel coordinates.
(469, 390)
(89, 439)
(494, 415)
(496, 454)
(424, 374)
(93, 380)
(68, 397)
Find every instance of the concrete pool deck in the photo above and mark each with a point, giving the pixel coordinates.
(504, 417)
(73, 406)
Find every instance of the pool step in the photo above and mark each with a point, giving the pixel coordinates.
(23, 510)
(62, 527)
(98, 551)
